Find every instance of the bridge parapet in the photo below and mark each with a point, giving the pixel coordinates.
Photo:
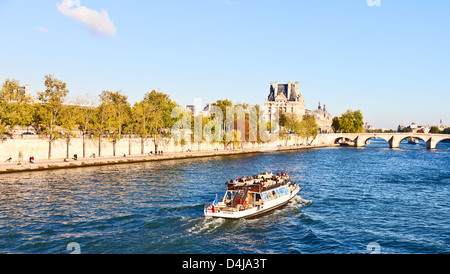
(394, 139)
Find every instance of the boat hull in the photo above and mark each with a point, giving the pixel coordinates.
(252, 212)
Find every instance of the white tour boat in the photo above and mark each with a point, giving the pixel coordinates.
(250, 196)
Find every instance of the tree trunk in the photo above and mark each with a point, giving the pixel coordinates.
(84, 145)
(50, 148)
(142, 145)
(129, 144)
(114, 147)
(99, 146)
(67, 147)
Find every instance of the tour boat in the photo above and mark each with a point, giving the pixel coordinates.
(250, 196)
(413, 141)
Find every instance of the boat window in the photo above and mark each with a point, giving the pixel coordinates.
(283, 189)
(228, 195)
(265, 196)
(270, 195)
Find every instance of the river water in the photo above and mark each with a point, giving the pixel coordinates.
(395, 198)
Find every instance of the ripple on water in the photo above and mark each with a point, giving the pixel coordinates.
(397, 198)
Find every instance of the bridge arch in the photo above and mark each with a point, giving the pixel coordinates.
(342, 139)
(442, 143)
(415, 137)
(384, 141)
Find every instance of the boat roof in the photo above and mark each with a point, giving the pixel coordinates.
(259, 183)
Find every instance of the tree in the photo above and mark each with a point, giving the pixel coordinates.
(434, 129)
(69, 117)
(160, 118)
(112, 115)
(308, 127)
(405, 129)
(223, 104)
(52, 99)
(85, 114)
(146, 119)
(289, 125)
(336, 124)
(352, 122)
(446, 130)
(14, 107)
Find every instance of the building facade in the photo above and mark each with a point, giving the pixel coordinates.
(323, 118)
(286, 98)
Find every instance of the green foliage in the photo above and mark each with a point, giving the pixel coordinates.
(435, 129)
(446, 130)
(351, 122)
(50, 111)
(336, 124)
(406, 129)
(308, 127)
(14, 107)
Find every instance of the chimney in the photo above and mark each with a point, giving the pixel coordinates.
(289, 90)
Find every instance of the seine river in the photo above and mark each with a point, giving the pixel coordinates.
(396, 200)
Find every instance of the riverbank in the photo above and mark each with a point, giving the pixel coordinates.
(40, 165)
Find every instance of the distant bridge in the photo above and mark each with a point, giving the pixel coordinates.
(393, 138)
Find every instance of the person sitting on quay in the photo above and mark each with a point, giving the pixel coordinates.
(8, 160)
(75, 157)
(32, 159)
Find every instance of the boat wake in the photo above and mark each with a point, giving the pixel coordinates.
(300, 200)
(206, 225)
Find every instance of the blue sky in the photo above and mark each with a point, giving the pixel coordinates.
(390, 61)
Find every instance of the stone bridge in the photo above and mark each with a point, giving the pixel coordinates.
(393, 138)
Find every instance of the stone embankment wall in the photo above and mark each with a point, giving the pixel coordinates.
(21, 148)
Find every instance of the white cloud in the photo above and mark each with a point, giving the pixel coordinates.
(42, 29)
(98, 22)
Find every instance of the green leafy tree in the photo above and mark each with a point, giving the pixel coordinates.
(15, 107)
(50, 112)
(435, 129)
(352, 122)
(160, 120)
(113, 114)
(147, 119)
(289, 125)
(223, 104)
(308, 127)
(446, 130)
(85, 112)
(336, 124)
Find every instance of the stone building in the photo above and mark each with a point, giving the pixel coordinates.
(287, 98)
(323, 118)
